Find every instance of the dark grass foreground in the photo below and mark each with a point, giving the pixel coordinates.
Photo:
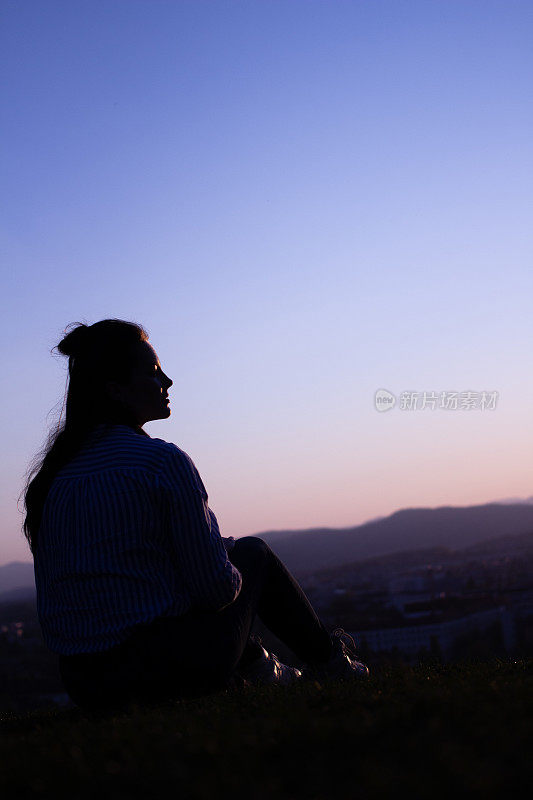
(429, 731)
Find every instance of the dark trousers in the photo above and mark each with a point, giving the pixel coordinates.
(198, 652)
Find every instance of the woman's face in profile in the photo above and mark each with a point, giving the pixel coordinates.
(146, 392)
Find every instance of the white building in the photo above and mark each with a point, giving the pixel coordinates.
(411, 639)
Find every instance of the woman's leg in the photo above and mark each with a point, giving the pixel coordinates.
(202, 649)
(280, 602)
(199, 651)
(223, 641)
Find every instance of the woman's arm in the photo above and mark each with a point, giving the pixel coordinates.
(212, 580)
(229, 543)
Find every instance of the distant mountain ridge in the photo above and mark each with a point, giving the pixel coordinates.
(16, 577)
(302, 551)
(409, 529)
(515, 500)
(513, 544)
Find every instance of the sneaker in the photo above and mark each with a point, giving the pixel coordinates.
(268, 669)
(342, 664)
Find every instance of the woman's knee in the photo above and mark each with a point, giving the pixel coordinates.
(251, 548)
(252, 544)
(251, 555)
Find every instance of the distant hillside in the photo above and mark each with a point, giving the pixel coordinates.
(408, 529)
(16, 580)
(514, 546)
(515, 500)
(315, 548)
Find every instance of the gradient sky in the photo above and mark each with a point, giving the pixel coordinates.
(303, 202)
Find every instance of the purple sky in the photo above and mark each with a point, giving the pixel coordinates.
(303, 202)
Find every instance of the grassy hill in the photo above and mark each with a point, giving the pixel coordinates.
(428, 731)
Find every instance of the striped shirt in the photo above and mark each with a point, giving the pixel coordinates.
(126, 536)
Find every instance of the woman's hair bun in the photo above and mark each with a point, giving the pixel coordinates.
(75, 341)
(102, 340)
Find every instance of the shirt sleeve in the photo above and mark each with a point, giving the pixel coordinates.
(212, 580)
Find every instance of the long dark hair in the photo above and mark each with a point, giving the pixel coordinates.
(96, 354)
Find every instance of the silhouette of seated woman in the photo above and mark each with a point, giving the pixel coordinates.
(137, 592)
